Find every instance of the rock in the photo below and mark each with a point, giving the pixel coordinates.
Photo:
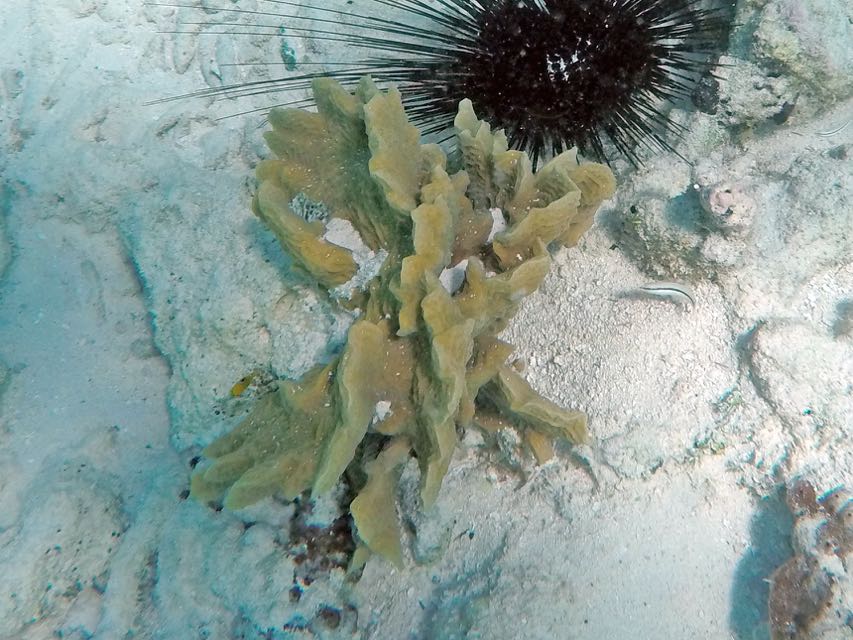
(811, 595)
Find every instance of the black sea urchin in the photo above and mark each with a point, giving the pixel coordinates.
(552, 73)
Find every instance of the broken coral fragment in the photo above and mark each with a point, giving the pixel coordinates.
(421, 360)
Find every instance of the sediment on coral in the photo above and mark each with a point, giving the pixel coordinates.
(422, 359)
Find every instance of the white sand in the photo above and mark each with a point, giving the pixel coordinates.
(138, 288)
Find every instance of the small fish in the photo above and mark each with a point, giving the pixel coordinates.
(673, 291)
(827, 134)
(243, 383)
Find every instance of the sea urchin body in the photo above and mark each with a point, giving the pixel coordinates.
(552, 73)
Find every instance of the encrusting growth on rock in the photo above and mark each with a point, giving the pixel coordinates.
(811, 595)
(421, 359)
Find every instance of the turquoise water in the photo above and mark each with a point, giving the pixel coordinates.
(703, 324)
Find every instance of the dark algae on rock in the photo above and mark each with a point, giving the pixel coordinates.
(422, 358)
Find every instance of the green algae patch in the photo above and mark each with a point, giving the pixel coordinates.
(422, 358)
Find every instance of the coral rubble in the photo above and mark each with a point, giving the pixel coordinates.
(810, 595)
(422, 358)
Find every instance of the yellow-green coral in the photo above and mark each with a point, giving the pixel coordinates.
(420, 360)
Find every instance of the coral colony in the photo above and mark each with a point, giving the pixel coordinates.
(451, 252)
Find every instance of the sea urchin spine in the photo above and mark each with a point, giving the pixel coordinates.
(552, 73)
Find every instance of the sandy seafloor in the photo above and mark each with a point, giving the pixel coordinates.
(136, 288)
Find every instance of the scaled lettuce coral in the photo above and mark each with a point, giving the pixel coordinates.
(422, 359)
